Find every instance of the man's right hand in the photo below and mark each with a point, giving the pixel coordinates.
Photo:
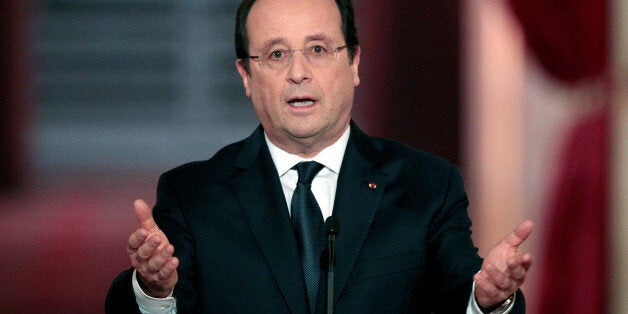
(151, 255)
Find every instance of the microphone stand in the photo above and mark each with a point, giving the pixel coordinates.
(330, 274)
(331, 226)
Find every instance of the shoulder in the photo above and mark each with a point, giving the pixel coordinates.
(223, 161)
(225, 164)
(394, 155)
(413, 170)
(389, 153)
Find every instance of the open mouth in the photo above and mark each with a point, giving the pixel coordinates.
(301, 102)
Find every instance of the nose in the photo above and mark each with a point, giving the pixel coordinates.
(299, 68)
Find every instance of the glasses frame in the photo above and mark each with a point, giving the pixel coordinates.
(258, 58)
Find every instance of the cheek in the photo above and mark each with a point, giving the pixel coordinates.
(259, 90)
(342, 88)
(265, 97)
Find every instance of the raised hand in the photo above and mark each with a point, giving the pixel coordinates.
(151, 255)
(504, 268)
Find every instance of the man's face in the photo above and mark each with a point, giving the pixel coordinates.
(302, 106)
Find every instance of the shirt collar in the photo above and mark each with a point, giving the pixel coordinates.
(330, 157)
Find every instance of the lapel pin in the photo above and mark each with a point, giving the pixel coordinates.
(372, 185)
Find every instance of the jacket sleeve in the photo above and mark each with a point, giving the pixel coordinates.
(120, 298)
(454, 257)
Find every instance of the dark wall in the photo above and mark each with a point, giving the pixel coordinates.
(410, 73)
(15, 91)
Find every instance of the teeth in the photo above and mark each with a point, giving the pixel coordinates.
(301, 103)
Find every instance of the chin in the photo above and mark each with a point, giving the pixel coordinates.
(304, 132)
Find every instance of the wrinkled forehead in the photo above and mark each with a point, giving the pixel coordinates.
(293, 22)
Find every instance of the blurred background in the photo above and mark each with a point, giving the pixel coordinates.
(528, 97)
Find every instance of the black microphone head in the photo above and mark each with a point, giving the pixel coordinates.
(331, 225)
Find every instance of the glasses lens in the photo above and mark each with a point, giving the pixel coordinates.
(316, 53)
(276, 58)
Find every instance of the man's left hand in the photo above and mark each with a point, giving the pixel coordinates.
(504, 268)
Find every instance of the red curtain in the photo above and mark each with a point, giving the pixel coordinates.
(15, 91)
(574, 273)
(570, 38)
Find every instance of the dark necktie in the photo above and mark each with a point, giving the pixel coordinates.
(307, 222)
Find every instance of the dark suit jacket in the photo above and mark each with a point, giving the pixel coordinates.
(404, 244)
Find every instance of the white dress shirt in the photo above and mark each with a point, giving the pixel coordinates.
(325, 181)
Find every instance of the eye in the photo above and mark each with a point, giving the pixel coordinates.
(318, 50)
(277, 54)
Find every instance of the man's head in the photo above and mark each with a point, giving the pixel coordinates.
(348, 27)
(296, 66)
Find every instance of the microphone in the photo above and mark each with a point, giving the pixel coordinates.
(331, 228)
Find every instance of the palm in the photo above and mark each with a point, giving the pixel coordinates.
(504, 268)
(152, 254)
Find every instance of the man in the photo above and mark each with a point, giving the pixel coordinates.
(404, 243)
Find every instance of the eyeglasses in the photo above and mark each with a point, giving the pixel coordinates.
(317, 54)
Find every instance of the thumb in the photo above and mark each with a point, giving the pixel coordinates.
(144, 215)
(520, 234)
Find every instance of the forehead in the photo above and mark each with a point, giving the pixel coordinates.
(293, 21)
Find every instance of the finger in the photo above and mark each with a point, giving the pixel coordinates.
(169, 269)
(526, 261)
(514, 267)
(523, 260)
(517, 269)
(135, 240)
(146, 250)
(486, 292)
(164, 274)
(497, 278)
(520, 234)
(144, 215)
(159, 259)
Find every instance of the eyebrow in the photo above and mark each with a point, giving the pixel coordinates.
(280, 40)
(315, 37)
(272, 42)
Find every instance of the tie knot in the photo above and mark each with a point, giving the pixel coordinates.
(307, 171)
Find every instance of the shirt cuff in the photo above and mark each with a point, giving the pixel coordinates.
(148, 304)
(474, 308)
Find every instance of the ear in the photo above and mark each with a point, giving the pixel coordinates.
(245, 75)
(355, 64)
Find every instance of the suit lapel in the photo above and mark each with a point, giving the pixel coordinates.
(260, 195)
(360, 188)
